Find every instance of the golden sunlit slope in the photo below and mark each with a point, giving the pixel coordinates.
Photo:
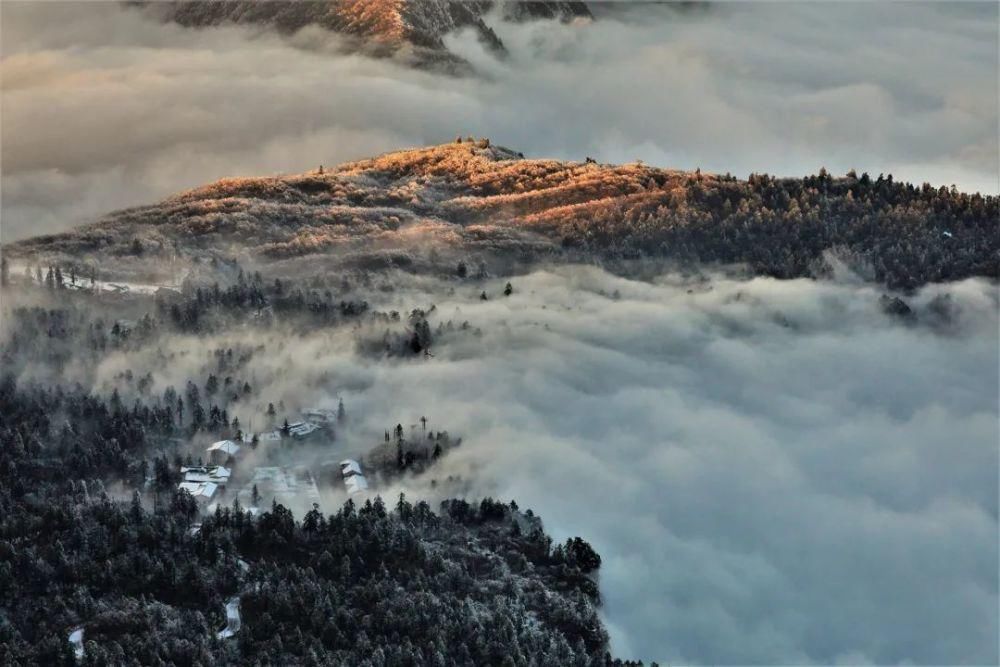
(473, 198)
(381, 27)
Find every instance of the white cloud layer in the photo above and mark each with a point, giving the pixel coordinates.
(775, 472)
(103, 108)
(785, 478)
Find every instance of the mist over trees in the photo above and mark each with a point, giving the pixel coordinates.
(298, 419)
(95, 536)
(154, 389)
(366, 585)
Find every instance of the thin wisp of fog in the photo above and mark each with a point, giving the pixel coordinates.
(773, 471)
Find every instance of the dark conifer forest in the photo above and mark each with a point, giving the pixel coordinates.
(98, 540)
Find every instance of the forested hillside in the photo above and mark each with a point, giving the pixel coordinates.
(470, 200)
(364, 585)
(98, 543)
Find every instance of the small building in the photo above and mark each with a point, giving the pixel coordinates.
(350, 467)
(320, 416)
(223, 450)
(200, 491)
(198, 474)
(302, 429)
(354, 479)
(356, 484)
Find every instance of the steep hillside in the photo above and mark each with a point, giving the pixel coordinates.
(479, 582)
(478, 201)
(381, 26)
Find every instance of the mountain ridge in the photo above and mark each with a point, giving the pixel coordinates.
(478, 200)
(381, 27)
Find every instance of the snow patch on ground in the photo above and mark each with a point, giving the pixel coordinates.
(232, 619)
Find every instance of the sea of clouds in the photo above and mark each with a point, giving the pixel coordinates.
(775, 472)
(104, 107)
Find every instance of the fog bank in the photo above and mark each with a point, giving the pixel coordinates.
(104, 108)
(784, 477)
(775, 472)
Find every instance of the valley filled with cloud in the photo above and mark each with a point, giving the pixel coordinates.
(773, 471)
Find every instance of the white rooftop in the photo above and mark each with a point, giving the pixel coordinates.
(215, 474)
(200, 490)
(302, 428)
(76, 639)
(356, 483)
(320, 414)
(350, 467)
(227, 446)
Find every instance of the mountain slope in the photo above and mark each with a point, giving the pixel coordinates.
(477, 201)
(381, 26)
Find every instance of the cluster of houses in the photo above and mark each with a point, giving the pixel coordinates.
(206, 483)
(289, 486)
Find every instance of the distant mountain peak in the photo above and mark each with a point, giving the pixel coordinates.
(380, 26)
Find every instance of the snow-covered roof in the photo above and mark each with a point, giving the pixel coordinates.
(215, 474)
(350, 467)
(302, 428)
(232, 619)
(200, 490)
(356, 483)
(269, 435)
(227, 446)
(321, 415)
(76, 639)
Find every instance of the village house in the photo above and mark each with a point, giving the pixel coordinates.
(320, 416)
(206, 474)
(203, 482)
(354, 479)
(200, 491)
(356, 484)
(350, 467)
(302, 430)
(222, 451)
